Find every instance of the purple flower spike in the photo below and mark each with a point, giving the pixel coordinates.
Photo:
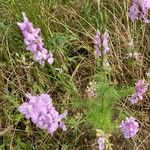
(140, 89)
(133, 99)
(33, 42)
(101, 143)
(26, 25)
(139, 10)
(97, 39)
(105, 43)
(25, 108)
(41, 111)
(129, 127)
(101, 42)
(97, 43)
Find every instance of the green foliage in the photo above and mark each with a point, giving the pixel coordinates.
(100, 111)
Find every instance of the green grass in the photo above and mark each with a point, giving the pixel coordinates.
(67, 28)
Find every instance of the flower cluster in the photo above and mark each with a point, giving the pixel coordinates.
(140, 89)
(139, 10)
(100, 41)
(129, 127)
(91, 90)
(33, 41)
(42, 112)
(101, 143)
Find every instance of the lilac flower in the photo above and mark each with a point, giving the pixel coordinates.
(43, 55)
(139, 10)
(140, 89)
(26, 109)
(97, 43)
(26, 25)
(101, 42)
(42, 112)
(105, 43)
(101, 143)
(33, 42)
(63, 126)
(134, 98)
(129, 127)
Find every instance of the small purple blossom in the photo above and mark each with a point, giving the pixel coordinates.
(33, 41)
(105, 43)
(140, 89)
(129, 127)
(139, 10)
(101, 42)
(42, 112)
(97, 43)
(101, 143)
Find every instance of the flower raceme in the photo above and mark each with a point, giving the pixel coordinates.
(101, 42)
(42, 112)
(129, 127)
(139, 10)
(33, 41)
(101, 143)
(140, 89)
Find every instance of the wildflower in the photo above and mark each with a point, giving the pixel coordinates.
(101, 143)
(42, 112)
(33, 41)
(139, 10)
(140, 89)
(129, 127)
(101, 42)
(91, 90)
(97, 43)
(134, 98)
(105, 43)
